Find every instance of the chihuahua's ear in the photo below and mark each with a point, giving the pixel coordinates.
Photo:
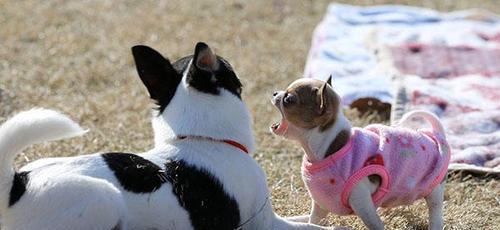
(205, 58)
(323, 96)
(157, 73)
(329, 81)
(323, 99)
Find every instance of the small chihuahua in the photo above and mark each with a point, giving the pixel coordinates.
(355, 170)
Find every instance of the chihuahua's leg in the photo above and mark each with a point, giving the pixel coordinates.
(435, 205)
(299, 219)
(317, 214)
(302, 218)
(362, 204)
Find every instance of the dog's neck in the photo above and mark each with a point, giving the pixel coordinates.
(320, 144)
(169, 130)
(192, 113)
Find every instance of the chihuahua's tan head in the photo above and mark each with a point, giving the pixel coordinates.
(306, 104)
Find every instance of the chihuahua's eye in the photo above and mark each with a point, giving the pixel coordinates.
(289, 99)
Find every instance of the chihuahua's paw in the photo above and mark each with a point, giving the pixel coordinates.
(299, 219)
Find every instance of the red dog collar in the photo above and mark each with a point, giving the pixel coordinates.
(227, 141)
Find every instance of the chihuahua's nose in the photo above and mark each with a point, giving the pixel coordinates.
(275, 93)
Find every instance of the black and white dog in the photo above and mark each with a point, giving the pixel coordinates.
(198, 176)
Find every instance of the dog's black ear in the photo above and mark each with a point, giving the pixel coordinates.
(329, 81)
(204, 58)
(157, 74)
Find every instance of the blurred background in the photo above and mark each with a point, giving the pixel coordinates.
(74, 56)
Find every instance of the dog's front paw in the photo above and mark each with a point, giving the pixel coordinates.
(299, 219)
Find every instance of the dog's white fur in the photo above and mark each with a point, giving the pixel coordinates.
(316, 143)
(82, 192)
(51, 207)
(181, 119)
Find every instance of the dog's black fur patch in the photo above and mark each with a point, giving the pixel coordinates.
(199, 192)
(118, 226)
(203, 196)
(224, 78)
(18, 187)
(157, 74)
(135, 173)
(203, 79)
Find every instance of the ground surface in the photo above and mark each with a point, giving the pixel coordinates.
(74, 56)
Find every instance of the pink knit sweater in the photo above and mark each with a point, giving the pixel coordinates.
(410, 164)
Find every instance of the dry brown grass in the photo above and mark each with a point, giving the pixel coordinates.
(74, 56)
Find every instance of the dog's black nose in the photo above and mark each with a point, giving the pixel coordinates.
(275, 93)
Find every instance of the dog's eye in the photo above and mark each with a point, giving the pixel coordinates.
(289, 99)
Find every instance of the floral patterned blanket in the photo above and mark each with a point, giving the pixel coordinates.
(448, 63)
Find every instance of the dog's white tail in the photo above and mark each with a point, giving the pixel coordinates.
(28, 128)
(429, 117)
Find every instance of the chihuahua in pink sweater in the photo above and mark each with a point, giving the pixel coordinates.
(350, 170)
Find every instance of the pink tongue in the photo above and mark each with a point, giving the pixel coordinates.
(283, 126)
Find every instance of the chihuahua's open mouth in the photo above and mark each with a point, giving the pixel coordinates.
(279, 128)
